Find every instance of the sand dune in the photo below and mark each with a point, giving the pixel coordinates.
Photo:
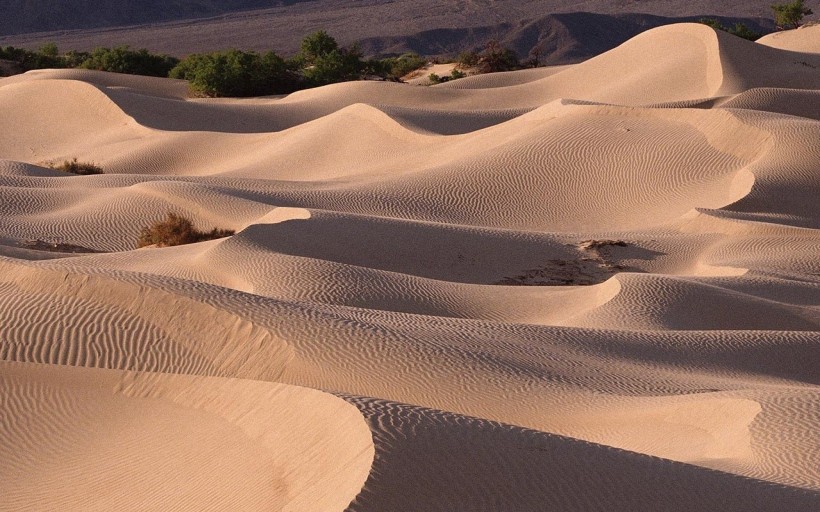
(178, 442)
(591, 288)
(802, 40)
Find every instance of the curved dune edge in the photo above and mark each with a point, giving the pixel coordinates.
(140, 327)
(446, 461)
(805, 39)
(102, 439)
(535, 166)
(697, 421)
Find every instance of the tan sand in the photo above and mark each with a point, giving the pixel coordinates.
(587, 288)
(98, 439)
(805, 39)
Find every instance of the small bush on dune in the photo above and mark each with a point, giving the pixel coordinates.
(496, 58)
(235, 73)
(397, 67)
(80, 168)
(739, 30)
(454, 75)
(177, 230)
(324, 62)
(468, 59)
(123, 59)
(790, 15)
(45, 58)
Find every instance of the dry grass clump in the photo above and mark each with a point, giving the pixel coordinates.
(80, 168)
(177, 230)
(49, 246)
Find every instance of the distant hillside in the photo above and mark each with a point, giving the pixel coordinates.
(558, 38)
(22, 16)
(428, 27)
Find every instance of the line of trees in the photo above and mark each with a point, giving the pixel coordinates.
(739, 30)
(320, 61)
(232, 73)
(121, 59)
(787, 16)
(790, 15)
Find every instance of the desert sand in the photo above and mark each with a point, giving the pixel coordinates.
(594, 287)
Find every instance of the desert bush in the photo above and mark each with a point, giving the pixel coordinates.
(133, 62)
(397, 67)
(74, 59)
(49, 50)
(790, 15)
(712, 22)
(235, 73)
(739, 30)
(28, 60)
(496, 58)
(81, 168)
(177, 230)
(468, 59)
(454, 75)
(322, 61)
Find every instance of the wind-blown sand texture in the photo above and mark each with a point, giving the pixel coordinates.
(593, 288)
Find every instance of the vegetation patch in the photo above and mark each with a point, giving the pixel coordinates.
(177, 230)
(454, 75)
(594, 245)
(595, 265)
(398, 67)
(62, 247)
(122, 59)
(236, 73)
(790, 15)
(739, 30)
(79, 168)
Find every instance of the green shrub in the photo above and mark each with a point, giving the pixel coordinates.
(454, 75)
(133, 62)
(29, 60)
(397, 67)
(74, 59)
(468, 59)
(739, 30)
(790, 15)
(80, 168)
(49, 50)
(234, 73)
(496, 58)
(177, 230)
(317, 45)
(323, 62)
(712, 22)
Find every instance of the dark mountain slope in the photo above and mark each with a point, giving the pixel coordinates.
(22, 16)
(428, 27)
(558, 38)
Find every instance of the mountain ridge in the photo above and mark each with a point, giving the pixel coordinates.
(560, 36)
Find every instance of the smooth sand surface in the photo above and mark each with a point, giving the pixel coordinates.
(804, 39)
(587, 288)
